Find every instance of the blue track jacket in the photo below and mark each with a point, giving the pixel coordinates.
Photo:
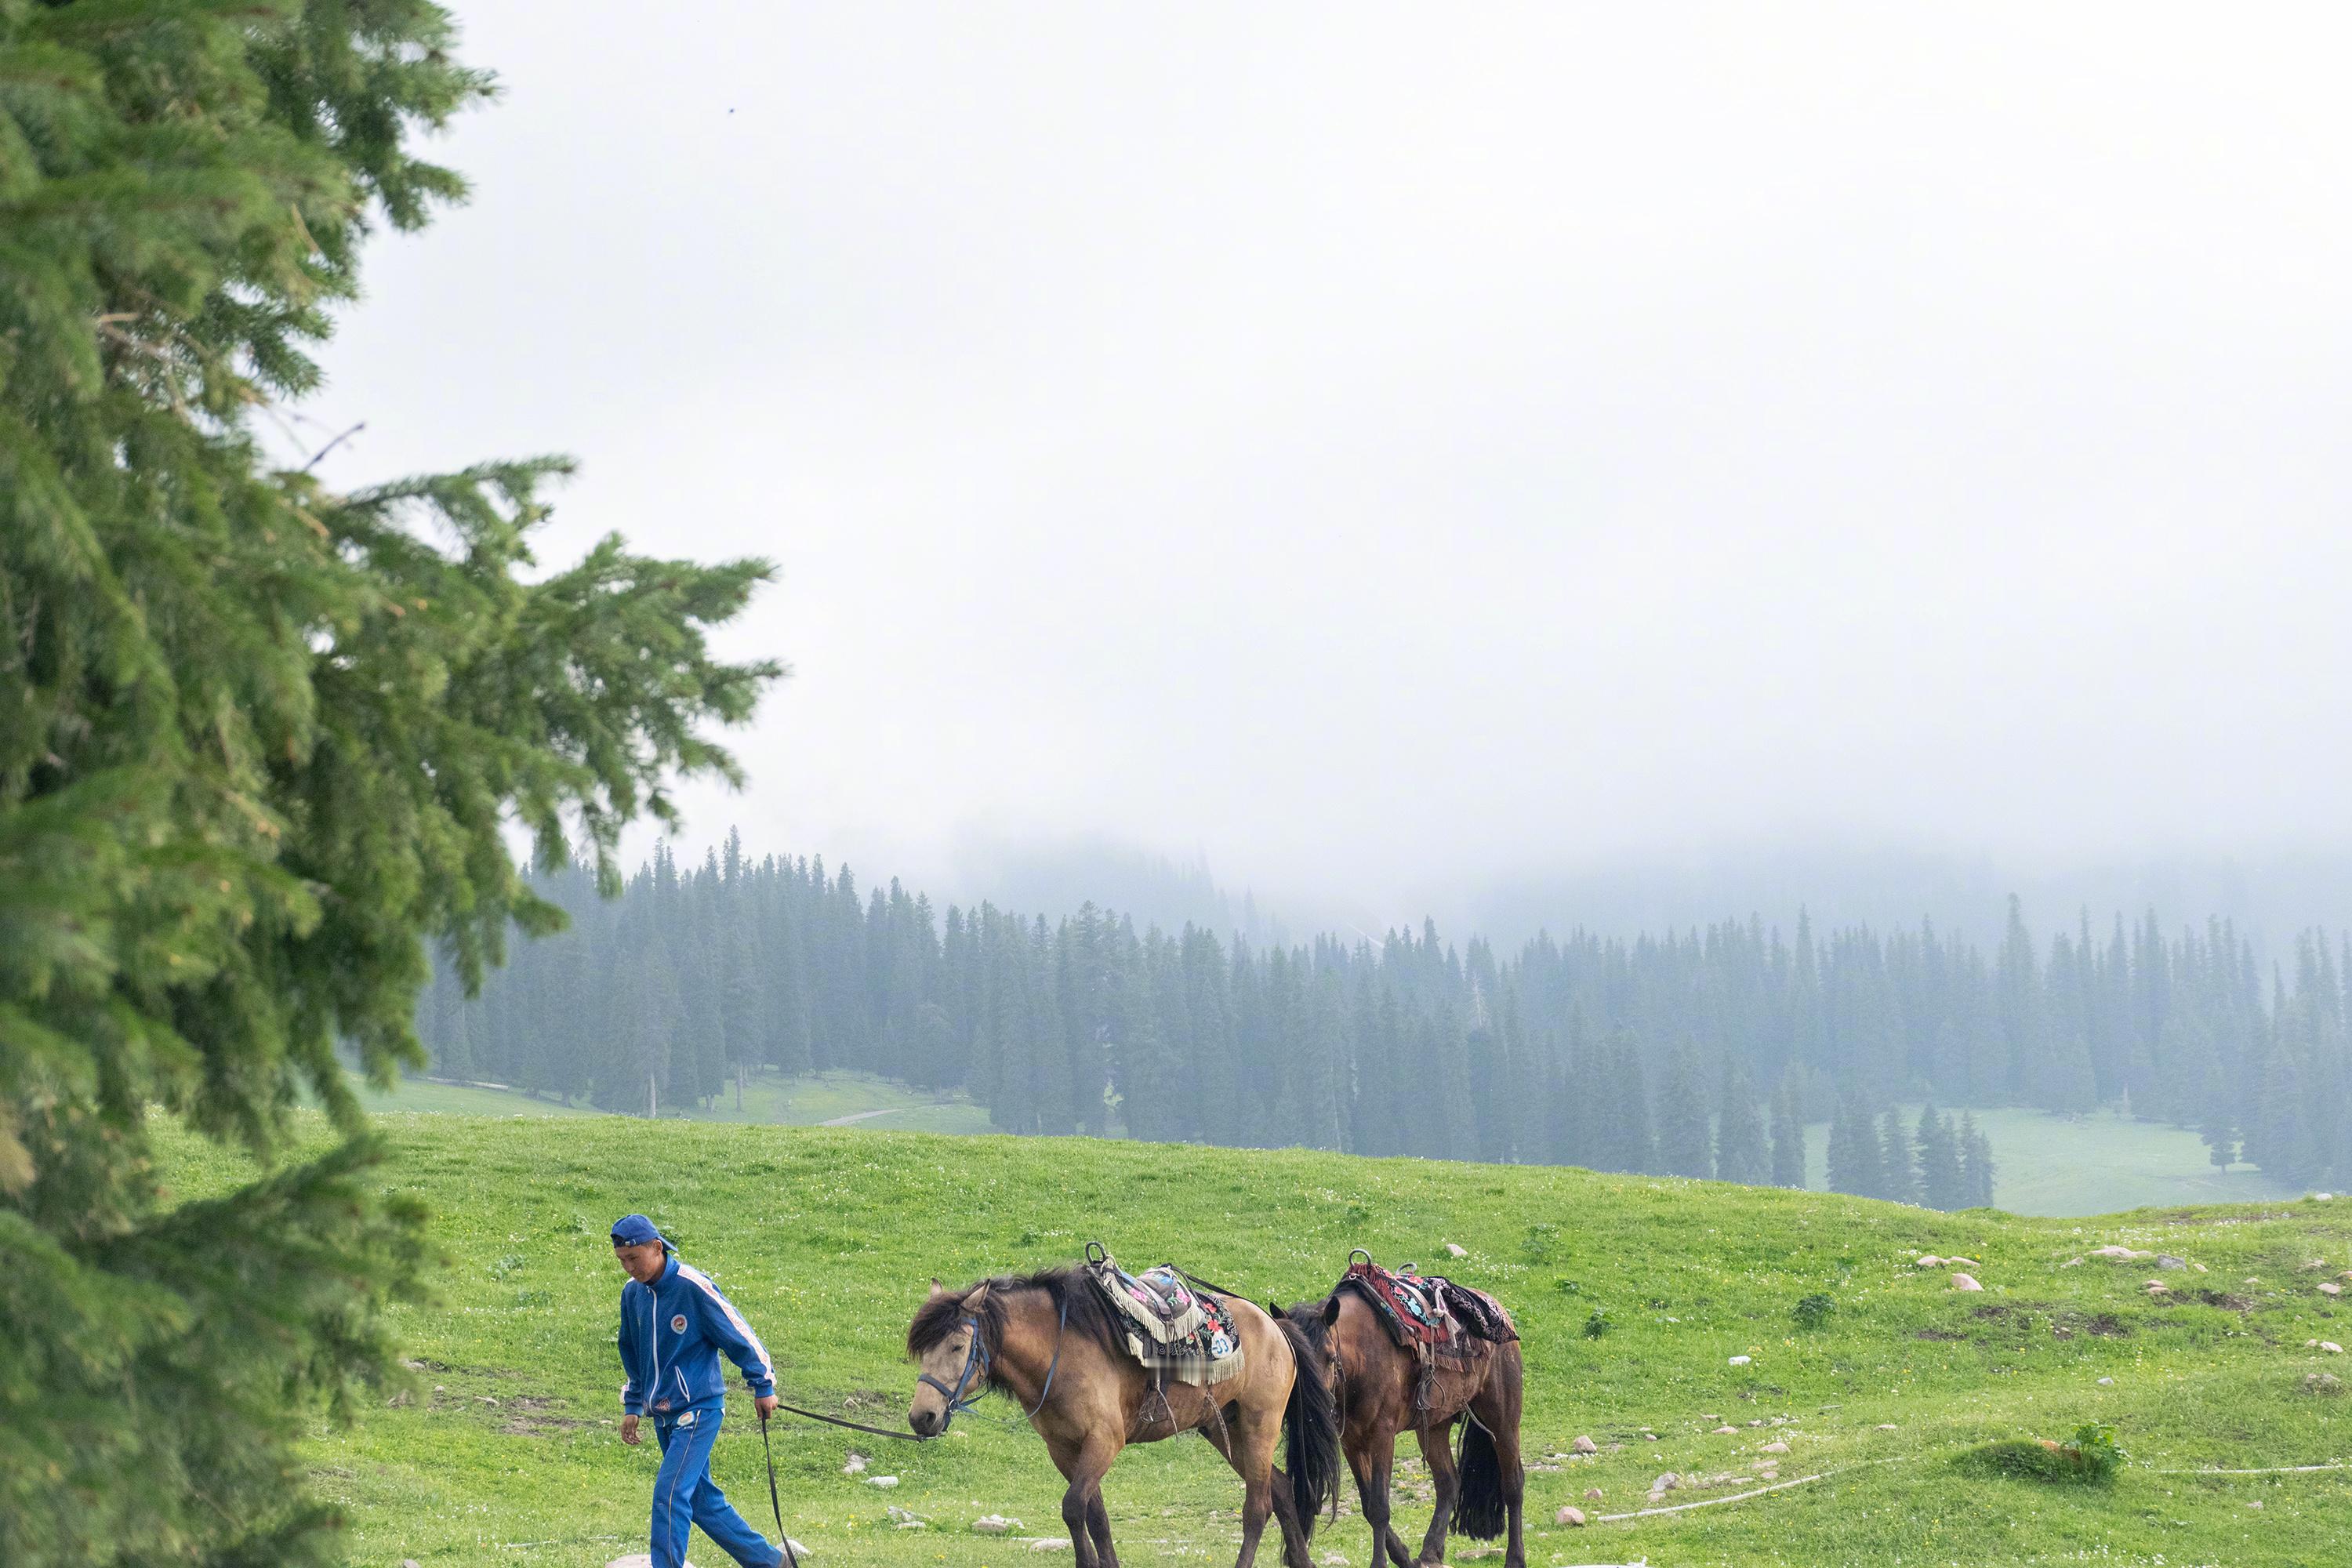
(671, 1333)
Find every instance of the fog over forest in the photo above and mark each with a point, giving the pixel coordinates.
(1541, 467)
(2271, 899)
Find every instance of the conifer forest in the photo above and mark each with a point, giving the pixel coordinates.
(1697, 1052)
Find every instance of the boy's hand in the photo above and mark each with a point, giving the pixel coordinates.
(765, 1405)
(629, 1430)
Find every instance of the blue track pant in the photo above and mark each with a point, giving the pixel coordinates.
(685, 1496)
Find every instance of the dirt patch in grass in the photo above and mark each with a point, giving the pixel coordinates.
(2222, 1299)
(1937, 1334)
(526, 1416)
(2102, 1325)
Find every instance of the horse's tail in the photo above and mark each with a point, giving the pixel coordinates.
(1478, 1495)
(1313, 1420)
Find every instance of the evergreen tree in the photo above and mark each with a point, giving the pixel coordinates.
(1148, 1014)
(1621, 1112)
(1942, 1182)
(1976, 1163)
(1843, 1155)
(1857, 1157)
(2219, 1126)
(1382, 1119)
(790, 1043)
(1445, 1053)
(1054, 1093)
(1740, 1155)
(1575, 1073)
(1683, 1142)
(262, 742)
(1322, 1060)
(644, 1020)
(1212, 1084)
(1787, 1139)
(1898, 1167)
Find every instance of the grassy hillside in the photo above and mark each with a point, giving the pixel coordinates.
(826, 1237)
(2045, 1163)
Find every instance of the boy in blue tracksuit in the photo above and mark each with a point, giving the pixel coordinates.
(674, 1324)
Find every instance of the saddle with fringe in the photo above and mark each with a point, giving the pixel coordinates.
(1429, 1315)
(1172, 1329)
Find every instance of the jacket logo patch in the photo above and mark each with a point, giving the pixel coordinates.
(677, 1324)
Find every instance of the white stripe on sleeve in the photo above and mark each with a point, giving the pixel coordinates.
(702, 1282)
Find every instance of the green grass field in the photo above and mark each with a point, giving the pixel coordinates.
(2044, 1164)
(505, 1452)
(2050, 1164)
(804, 1101)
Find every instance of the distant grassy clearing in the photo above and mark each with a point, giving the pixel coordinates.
(827, 1239)
(776, 1101)
(2099, 1163)
(2047, 1165)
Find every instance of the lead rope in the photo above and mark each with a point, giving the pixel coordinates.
(857, 1426)
(792, 1558)
(775, 1502)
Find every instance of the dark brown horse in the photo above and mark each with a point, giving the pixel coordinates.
(1382, 1389)
(1049, 1341)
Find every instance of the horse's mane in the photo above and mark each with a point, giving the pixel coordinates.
(1308, 1317)
(1065, 1285)
(1313, 1346)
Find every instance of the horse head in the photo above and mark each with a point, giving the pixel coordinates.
(951, 1341)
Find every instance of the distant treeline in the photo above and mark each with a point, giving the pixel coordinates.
(1661, 1053)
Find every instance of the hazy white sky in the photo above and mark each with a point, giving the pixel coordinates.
(1373, 444)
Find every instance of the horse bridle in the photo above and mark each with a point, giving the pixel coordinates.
(976, 1361)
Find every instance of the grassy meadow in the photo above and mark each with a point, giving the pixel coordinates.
(2045, 1163)
(505, 1449)
(808, 1101)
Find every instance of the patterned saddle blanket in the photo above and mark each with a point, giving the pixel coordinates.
(1172, 1327)
(1429, 1314)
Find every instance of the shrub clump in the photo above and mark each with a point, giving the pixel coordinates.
(1812, 1311)
(1597, 1323)
(2091, 1456)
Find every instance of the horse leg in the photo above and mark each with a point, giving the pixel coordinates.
(1295, 1552)
(1083, 1466)
(1220, 1433)
(1439, 1454)
(1296, 1544)
(1496, 1407)
(1246, 1440)
(1373, 1462)
(1098, 1524)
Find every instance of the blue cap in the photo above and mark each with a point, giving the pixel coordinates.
(636, 1230)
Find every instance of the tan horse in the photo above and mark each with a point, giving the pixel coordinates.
(1382, 1390)
(1049, 1341)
